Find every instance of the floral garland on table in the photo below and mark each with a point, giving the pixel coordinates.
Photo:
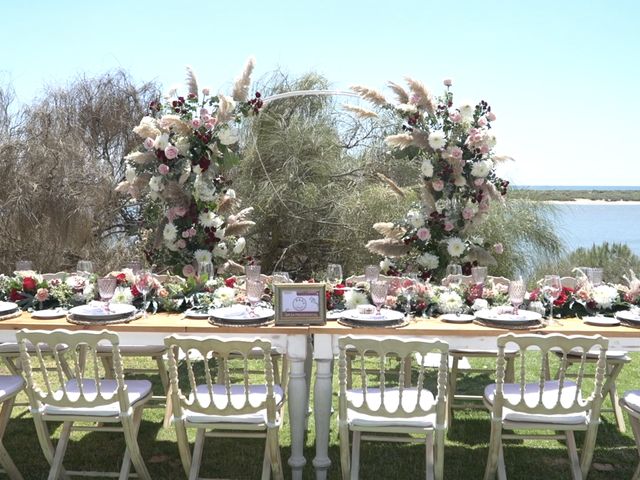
(31, 291)
(180, 175)
(453, 146)
(588, 299)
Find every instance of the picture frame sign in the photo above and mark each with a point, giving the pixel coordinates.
(300, 303)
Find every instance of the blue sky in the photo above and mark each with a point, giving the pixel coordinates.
(561, 77)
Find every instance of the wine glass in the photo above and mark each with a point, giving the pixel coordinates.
(144, 284)
(595, 276)
(479, 275)
(205, 269)
(379, 294)
(371, 273)
(551, 289)
(252, 272)
(106, 289)
(254, 294)
(84, 268)
(134, 265)
(281, 277)
(516, 293)
(454, 274)
(334, 274)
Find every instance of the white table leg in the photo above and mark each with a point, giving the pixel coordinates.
(323, 356)
(297, 396)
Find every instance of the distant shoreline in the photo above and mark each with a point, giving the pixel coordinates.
(587, 201)
(579, 197)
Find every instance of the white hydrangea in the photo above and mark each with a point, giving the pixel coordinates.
(161, 142)
(203, 188)
(604, 295)
(155, 184)
(482, 168)
(183, 145)
(428, 261)
(466, 110)
(229, 136)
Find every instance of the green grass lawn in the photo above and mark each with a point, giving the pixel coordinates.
(465, 453)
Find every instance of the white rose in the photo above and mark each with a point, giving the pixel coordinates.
(385, 265)
(466, 111)
(155, 184)
(482, 168)
(170, 232)
(220, 250)
(240, 245)
(427, 168)
(415, 218)
(162, 141)
(428, 261)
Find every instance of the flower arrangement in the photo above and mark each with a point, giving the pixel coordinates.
(31, 291)
(454, 148)
(180, 174)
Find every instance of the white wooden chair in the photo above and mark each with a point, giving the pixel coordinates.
(536, 403)
(630, 402)
(394, 402)
(221, 403)
(86, 398)
(10, 386)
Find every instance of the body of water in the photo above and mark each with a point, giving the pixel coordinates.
(586, 225)
(576, 187)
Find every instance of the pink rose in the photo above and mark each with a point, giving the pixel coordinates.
(192, 232)
(185, 234)
(438, 185)
(180, 211)
(456, 152)
(447, 82)
(423, 234)
(195, 123)
(491, 116)
(171, 152)
(163, 169)
(478, 182)
(42, 295)
(188, 271)
(455, 117)
(391, 301)
(211, 123)
(484, 148)
(482, 122)
(181, 243)
(205, 91)
(467, 213)
(148, 143)
(498, 248)
(448, 226)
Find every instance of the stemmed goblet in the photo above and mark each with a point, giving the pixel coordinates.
(144, 284)
(379, 294)
(516, 293)
(254, 294)
(334, 274)
(106, 289)
(454, 274)
(478, 275)
(371, 273)
(84, 268)
(252, 272)
(551, 289)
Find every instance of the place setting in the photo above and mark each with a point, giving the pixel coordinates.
(104, 312)
(629, 318)
(511, 317)
(374, 315)
(9, 310)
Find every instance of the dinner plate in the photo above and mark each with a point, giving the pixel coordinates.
(386, 315)
(98, 312)
(601, 321)
(237, 313)
(523, 316)
(453, 318)
(50, 313)
(628, 316)
(8, 307)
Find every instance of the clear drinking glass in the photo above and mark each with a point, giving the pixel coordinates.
(84, 268)
(479, 275)
(595, 276)
(454, 274)
(134, 265)
(379, 294)
(24, 265)
(106, 289)
(334, 274)
(371, 273)
(516, 294)
(144, 284)
(254, 295)
(252, 272)
(551, 289)
(281, 277)
(205, 268)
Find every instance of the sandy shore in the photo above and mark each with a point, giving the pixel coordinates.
(585, 201)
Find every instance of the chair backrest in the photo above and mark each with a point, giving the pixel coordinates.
(212, 372)
(551, 397)
(498, 280)
(569, 282)
(70, 351)
(402, 376)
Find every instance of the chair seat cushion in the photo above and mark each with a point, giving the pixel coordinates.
(391, 404)
(257, 395)
(632, 399)
(134, 350)
(532, 393)
(610, 355)
(10, 385)
(137, 391)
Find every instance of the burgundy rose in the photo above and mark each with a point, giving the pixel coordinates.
(15, 295)
(29, 284)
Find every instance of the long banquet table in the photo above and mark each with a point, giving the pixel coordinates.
(293, 341)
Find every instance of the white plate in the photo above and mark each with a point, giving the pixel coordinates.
(628, 316)
(50, 313)
(242, 312)
(386, 315)
(523, 316)
(199, 314)
(453, 318)
(335, 314)
(601, 321)
(97, 311)
(8, 307)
